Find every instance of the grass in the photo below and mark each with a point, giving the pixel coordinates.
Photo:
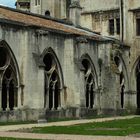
(112, 128)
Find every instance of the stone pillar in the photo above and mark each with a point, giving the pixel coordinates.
(59, 98)
(89, 92)
(53, 96)
(130, 100)
(20, 96)
(47, 97)
(82, 88)
(20, 90)
(41, 87)
(97, 99)
(115, 27)
(8, 92)
(46, 92)
(93, 91)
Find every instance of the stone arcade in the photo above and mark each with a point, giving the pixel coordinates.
(55, 68)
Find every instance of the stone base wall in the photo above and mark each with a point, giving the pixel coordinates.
(118, 112)
(21, 115)
(41, 114)
(71, 113)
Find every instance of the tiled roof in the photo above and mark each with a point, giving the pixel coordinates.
(35, 20)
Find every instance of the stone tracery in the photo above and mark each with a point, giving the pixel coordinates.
(89, 83)
(9, 82)
(52, 82)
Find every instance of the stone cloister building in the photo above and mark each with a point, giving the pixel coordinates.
(68, 59)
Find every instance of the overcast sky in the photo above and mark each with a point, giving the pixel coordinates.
(9, 3)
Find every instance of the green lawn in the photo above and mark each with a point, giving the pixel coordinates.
(112, 128)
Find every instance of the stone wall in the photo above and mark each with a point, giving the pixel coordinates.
(31, 44)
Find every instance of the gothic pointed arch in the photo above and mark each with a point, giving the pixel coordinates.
(135, 79)
(53, 79)
(90, 80)
(9, 77)
(124, 79)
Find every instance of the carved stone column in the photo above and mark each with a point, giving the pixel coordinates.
(20, 99)
(59, 98)
(53, 96)
(47, 98)
(82, 88)
(115, 27)
(93, 96)
(47, 90)
(89, 92)
(8, 92)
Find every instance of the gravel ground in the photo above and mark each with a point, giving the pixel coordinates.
(62, 137)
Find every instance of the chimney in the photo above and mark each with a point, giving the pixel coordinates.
(75, 12)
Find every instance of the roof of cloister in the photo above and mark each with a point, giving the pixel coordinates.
(10, 15)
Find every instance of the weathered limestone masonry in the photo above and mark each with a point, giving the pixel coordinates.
(56, 68)
(118, 19)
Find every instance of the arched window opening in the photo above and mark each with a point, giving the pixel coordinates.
(52, 83)
(85, 64)
(48, 62)
(4, 95)
(92, 96)
(8, 73)
(9, 90)
(89, 83)
(138, 84)
(9, 80)
(47, 13)
(51, 96)
(54, 95)
(3, 57)
(117, 61)
(11, 95)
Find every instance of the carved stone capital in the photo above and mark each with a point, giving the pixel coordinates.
(75, 4)
(41, 32)
(81, 40)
